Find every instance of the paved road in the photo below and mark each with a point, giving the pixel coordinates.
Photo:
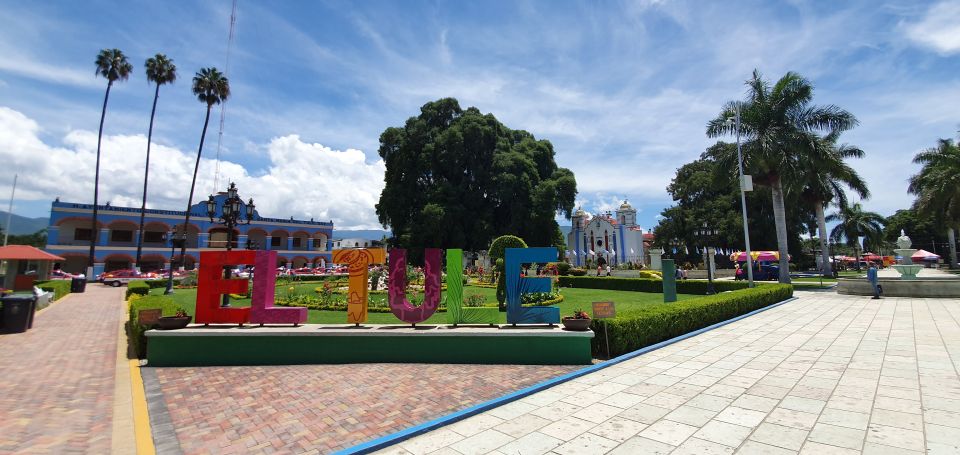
(57, 380)
(825, 374)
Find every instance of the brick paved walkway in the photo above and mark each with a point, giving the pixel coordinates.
(323, 408)
(57, 379)
(825, 374)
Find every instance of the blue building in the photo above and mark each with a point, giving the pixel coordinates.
(298, 243)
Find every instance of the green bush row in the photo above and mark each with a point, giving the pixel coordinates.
(637, 328)
(135, 337)
(138, 287)
(59, 288)
(645, 284)
(160, 282)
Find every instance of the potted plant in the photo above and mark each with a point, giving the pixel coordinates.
(580, 321)
(178, 321)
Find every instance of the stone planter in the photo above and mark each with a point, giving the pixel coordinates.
(173, 322)
(577, 325)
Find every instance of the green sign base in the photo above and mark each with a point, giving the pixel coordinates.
(313, 344)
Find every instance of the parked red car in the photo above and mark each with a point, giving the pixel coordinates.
(117, 278)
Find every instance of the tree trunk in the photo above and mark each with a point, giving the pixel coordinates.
(94, 232)
(824, 249)
(146, 174)
(779, 218)
(953, 247)
(193, 183)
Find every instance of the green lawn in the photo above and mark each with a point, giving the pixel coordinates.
(573, 299)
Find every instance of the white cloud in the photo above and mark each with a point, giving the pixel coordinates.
(303, 180)
(939, 28)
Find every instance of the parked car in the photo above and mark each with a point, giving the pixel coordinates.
(60, 275)
(117, 278)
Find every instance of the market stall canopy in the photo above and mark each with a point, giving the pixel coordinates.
(26, 253)
(741, 256)
(871, 257)
(924, 255)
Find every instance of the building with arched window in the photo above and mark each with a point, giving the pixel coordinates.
(297, 242)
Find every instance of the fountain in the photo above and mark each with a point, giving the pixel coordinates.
(908, 270)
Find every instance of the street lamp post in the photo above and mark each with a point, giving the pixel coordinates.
(175, 242)
(708, 233)
(232, 213)
(743, 200)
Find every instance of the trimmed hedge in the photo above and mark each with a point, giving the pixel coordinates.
(646, 284)
(135, 337)
(637, 328)
(160, 283)
(59, 288)
(138, 287)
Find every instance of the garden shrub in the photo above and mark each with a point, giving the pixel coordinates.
(137, 302)
(578, 271)
(651, 274)
(646, 284)
(563, 268)
(138, 287)
(59, 288)
(161, 283)
(637, 328)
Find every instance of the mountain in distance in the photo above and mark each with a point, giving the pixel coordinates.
(21, 225)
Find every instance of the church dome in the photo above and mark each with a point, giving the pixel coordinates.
(626, 206)
(579, 213)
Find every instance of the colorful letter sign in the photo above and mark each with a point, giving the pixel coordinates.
(456, 313)
(517, 313)
(358, 260)
(211, 286)
(262, 310)
(399, 304)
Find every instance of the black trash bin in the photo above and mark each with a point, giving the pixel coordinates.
(18, 312)
(78, 284)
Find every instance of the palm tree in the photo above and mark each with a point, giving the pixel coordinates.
(853, 223)
(775, 122)
(211, 87)
(937, 187)
(113, 65)
(823, 181)
(160, 70)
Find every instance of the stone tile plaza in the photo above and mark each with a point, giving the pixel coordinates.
(480, 228)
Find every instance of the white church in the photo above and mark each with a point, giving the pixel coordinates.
(605, 239)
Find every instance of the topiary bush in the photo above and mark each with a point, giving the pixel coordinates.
(496, 253)
(563, 268)
(578, 271)
(637, 328)
(651, 274)
(138, 342)
(138, 287)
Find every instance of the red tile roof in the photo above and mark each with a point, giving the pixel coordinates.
(26, 253)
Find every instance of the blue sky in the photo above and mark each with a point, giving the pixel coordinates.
(622, 89)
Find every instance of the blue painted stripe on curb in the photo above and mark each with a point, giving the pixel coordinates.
(400, 436)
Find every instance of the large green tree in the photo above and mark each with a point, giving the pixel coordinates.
(823, 180)
(774, 122)
(854, 222)
(926, 231)
(160, 71)
(112, 65)
(703, 193)
(937, 187)
(458, 178)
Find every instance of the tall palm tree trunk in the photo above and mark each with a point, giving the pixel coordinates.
(146, 175)
(94, 232)
(193, 183)
(779, 218)
(953, 247)
(824, 251)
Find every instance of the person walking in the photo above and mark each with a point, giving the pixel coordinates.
(874, 280)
